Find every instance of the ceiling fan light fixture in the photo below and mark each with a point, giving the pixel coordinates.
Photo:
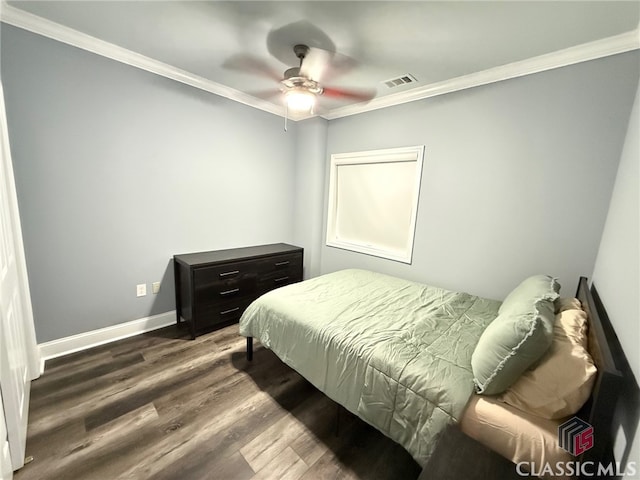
(300, 99)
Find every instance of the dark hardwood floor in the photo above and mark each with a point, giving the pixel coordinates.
(161, 406)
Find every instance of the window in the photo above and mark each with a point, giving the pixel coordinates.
(373, 201)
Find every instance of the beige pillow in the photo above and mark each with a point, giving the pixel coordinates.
(562, 380)
(567, 303)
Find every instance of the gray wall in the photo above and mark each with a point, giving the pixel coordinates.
(118, 169)
(309, 184)
(517, 175)
(617, 271)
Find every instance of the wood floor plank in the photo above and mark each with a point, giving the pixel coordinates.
(77, 358)
(82, 375)
(155, 341)
(261, 412)
(271, 442)
(123, 404)
(177, 443)
(319, 419)
(353, 454)
(114, 386)
(62, 369)
(287, 465)
(301, 429)
(49, 449)
(329, 467)
(93, 455)
(161, 406)
(309, 447)
(107, 442)
(232, 467)
(211, 418)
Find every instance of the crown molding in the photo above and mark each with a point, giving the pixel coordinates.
(41, 26)
(581, 53)
(624, 42)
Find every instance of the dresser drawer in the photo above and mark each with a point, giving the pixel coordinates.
(279, 271)
(225, 281)
(239, 285)
(275, 281)
(211, 313)
(223, 272)
(280, 264)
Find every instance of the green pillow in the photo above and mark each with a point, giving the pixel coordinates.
(518, 337)
(531, 289)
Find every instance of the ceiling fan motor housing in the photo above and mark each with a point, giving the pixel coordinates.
(301, 51)
(294, 81)
(300, 83)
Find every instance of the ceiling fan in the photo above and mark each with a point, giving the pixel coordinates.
(301, 86)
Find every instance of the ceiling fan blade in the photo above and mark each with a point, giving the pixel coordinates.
(315, 64)
(361, 95)
(280, 41)
(320, 65)
(249, 64)
(339, 64)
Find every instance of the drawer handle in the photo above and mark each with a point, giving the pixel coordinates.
(226, 274)
(281, 279)
(281, 264)
(229, 292)
(231, 310)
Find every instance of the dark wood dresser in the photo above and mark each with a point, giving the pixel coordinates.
(216, 287)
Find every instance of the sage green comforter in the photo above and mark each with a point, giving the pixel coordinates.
(394, 352)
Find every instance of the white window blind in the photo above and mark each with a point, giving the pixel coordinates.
(373, 201)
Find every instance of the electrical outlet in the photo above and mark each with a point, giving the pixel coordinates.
(155, 287)
(141, 289)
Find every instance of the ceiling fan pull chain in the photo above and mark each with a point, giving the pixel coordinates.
(286, 115)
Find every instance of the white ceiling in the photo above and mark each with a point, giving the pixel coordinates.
(436, 42)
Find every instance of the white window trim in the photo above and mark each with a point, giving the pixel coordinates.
(403, 154)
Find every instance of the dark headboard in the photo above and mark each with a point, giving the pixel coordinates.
(614, 401)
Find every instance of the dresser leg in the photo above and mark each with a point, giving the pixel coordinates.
(250, 348)
(176, 284)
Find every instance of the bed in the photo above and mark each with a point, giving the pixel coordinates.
(400, 355)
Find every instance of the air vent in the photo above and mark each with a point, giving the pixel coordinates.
(399, 81)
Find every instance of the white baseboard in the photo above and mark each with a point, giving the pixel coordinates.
(83, 341)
